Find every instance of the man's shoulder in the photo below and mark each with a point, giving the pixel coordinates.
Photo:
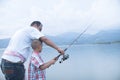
(28, 28)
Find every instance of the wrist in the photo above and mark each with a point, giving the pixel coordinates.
(57, 49)
(52, 61)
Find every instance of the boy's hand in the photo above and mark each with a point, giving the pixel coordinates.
(53, 61)
(56, 58)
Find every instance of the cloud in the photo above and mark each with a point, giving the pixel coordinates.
(59, 16)
(106, 11)
(106, 14)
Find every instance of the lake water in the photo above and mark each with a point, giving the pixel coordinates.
(86, 62)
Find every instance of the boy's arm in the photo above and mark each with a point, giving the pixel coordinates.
(47, 64)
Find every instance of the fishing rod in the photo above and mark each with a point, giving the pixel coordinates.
(66, 56)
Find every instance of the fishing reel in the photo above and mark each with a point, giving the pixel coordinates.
(65, 57)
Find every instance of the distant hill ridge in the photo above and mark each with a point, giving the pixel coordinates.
(109, 36)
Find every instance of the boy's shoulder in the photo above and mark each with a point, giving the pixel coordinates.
(34, 55)
(36, 58)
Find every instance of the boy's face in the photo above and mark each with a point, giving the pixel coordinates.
(39, 48)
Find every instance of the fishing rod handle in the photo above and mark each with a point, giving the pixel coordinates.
(65, 49)
(57, 57)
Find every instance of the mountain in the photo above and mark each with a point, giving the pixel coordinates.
(64, 38)
(4, 42)
(108, 36)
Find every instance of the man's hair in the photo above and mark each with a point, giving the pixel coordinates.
(38, 23)
(35, 43)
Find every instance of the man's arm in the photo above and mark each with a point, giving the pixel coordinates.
(51, 44)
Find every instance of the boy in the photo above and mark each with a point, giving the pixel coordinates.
(36, 70)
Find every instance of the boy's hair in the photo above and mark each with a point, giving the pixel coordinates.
(35, 43)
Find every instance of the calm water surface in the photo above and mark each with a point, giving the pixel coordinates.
(86, 62)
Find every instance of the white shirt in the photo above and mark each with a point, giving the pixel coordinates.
(21, 43)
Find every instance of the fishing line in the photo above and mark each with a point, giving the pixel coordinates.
(66, 56)
(77, 38)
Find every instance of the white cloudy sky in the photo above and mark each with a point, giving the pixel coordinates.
(59, 16)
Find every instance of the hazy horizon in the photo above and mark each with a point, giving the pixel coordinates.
(69, 32)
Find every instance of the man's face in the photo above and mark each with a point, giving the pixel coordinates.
(40, 28)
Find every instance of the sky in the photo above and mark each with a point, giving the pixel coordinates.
(59, 16)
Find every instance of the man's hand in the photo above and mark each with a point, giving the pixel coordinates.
(60, 51)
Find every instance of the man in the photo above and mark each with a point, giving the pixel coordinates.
(19, 48)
